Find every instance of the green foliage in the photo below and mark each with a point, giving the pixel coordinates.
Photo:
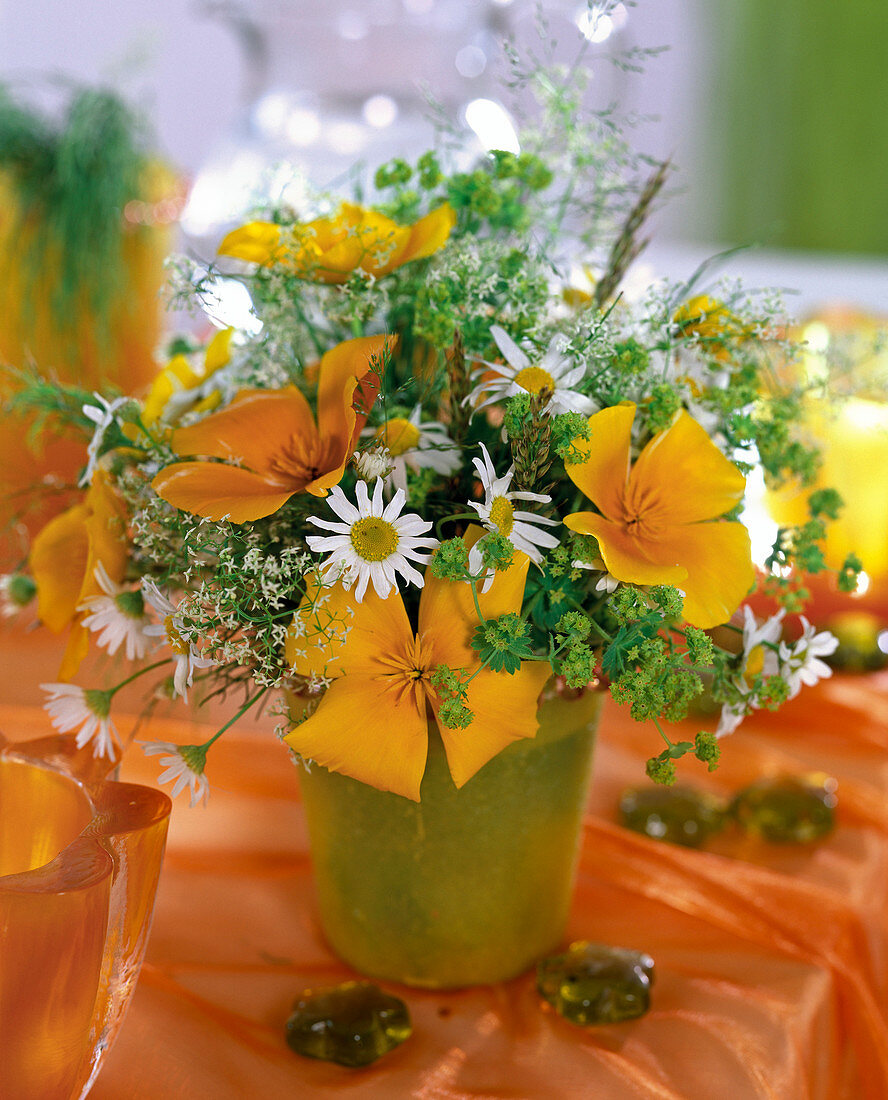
(706, 748)
(496, 551)
(451, 688)
(450, 562)
(663, 405)
(849, 574)
(503, 643)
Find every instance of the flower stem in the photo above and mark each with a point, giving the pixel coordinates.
(140, 672)
(243, 710)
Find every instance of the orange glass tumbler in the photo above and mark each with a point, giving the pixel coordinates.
(79, 865)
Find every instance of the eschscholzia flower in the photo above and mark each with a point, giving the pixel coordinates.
(710, 323)
(63, 561)
(328, 250)
(273, 436)
(371, 723)
(658, 520)
(177, 386)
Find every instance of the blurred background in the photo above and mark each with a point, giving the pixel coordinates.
(773, 113)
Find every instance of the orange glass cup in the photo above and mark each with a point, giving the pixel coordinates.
(80, 860)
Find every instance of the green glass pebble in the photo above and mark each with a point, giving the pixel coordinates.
(787, 809)
(592, 983)
(681, 815)
(351, 1024)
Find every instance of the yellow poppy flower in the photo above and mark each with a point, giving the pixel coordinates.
(658, 521)
(712, 323)
(328, 250)
(273, 436)
(372, 722)
(63, 560)
(167, 397)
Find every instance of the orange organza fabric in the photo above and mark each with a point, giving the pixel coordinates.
(771, 961)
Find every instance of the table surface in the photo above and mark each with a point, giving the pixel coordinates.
(771, 960)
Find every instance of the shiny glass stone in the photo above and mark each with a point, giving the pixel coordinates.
(592, 983)
(681, 815)
(351, 1024)
(863, 642)
(787, 809)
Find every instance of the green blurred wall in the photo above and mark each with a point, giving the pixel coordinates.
(797, 142)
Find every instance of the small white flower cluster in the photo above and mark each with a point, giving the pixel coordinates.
(765, 653)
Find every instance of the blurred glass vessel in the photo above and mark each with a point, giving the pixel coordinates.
(80, 859)
(328, 83)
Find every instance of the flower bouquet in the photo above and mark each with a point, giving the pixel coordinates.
(447, 485)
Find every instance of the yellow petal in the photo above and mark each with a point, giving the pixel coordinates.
(58, 560)
(341, 369)
(340, 635)
(76, 650)
(603, 473)
(253, 429)
(215, 490)
(682, 477)
(316, 639)
(368, 733)
(218, 352)
(505, 710)
(719, 565)
(430, 233)
(384, 243)
(106, 533)
(627, 557)
(447, 615)
(256, 242)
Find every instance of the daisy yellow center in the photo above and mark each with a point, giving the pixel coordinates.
(755, 663)
(398, 435)
(501, 514)
(534, 379)
(177, 644)
(374, 539)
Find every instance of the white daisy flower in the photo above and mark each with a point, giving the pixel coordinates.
(86, 710)
(419, 444)
(497, 513)
(103, 416)
(760, 644)
(759, 656)
(186, 655)
(185, 765)
(373, 541)
(802, 660)
(518, 375)
(118, 617)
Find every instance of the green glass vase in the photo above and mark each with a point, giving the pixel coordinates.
(465, 887)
